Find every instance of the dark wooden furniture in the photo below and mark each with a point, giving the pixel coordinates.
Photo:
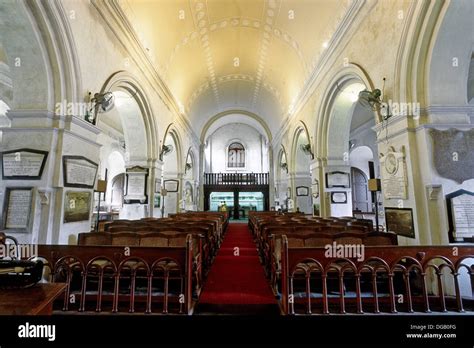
(386, 272)
(37, 300)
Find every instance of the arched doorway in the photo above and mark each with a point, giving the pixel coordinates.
(362, 168)
(360, 191)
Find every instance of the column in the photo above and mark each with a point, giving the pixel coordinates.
(154, 187)
(201, 177)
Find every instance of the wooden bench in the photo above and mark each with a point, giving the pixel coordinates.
(400, 270)
(117, 278)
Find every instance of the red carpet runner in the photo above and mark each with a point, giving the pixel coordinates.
(237, 283)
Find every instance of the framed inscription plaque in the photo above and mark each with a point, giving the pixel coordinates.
(339, 197)
(171, 185)
(460, 206)
(23, 164)
(302, 191)
(136, 183)
(394, 175)
(77, 206)
(17, 208)
(79, 171)
(338, 179)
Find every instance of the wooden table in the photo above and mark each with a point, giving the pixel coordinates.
(37, 300)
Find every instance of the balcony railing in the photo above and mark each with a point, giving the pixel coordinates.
(235, 178)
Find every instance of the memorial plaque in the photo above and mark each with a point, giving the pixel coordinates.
(17, 208)
(171, 185)
(77, 206)
(453, 154)
(302, 191)
(79, 171)
(339, 197)
(337, 179)
(23, 164)
(136, 178)
(394, 174)
(460, 206)
(136, 185)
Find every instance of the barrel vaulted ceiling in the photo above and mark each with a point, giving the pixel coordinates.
(216, 55)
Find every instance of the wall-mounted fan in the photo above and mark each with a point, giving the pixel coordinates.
(166, 149)
(374, 100)
(371, 99)
(306, 148)
(101, 102)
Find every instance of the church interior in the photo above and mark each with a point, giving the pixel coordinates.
(258, 158)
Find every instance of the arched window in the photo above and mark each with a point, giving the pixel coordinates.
(236, 156)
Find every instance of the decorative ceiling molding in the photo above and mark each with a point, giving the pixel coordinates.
(271, 10)
(231, 78)
(201, 18)
(113, 15)
(240, 22)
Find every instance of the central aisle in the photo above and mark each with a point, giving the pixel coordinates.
(236, 281)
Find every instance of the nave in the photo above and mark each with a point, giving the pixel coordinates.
(198, 160)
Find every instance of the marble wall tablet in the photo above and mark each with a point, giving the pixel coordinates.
(79, 171)
(23, 164)
(171, 185)
(460, 206)
(453, 153)
(17, 208)
(394, 174)
(339, 197)
(338, 179)
(136, 185)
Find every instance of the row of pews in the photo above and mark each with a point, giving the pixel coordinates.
(145, 266)
(307, 273)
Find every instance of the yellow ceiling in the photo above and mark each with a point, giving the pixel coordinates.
(254, 55)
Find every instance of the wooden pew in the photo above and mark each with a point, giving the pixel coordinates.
(382, 265)
(98, 275)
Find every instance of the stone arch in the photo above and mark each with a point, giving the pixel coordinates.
(328, 143)
(301, 136)
(6, 85)
(125, 82)
(227, 113)
(25, 50)
(417, 77)
(191, 159)
(172, 135)
(282, 157)
(447, 60)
